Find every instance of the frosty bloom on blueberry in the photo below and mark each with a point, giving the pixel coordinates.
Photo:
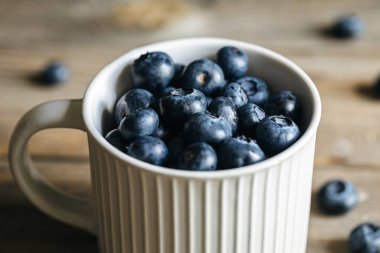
(209, 115)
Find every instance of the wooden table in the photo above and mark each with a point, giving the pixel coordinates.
(33, 32)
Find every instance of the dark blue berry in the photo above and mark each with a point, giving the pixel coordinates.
(255, 88)
(149, 149)
(207, 128)
(132, 101)
(115, 139)
(176, 81)
(160, 132)
(166, 91)
(283, 103)
(225, 108)
(139, 123)
(347, 27)
(235, 92)
(337, 197)
(198, 156)
(153, 71)
(274, 134)
(180, 104)
(238, 152)
(249, 116)
(365, 238)
(54, 73)
(233, 61)
(204, 75)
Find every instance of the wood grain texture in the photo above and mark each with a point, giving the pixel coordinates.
(79, 33)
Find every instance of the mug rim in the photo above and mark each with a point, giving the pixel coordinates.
(235, 172)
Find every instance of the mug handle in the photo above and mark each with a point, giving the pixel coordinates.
(53, 201)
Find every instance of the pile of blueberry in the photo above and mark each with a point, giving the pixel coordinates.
(204, 117)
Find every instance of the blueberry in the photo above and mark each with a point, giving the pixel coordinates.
(233, 61)
(149, 149)
(160, 132)
(198, 156)
(238, 152)
(54, 73)
(153, 71)
(274, 134)
(177, 75)
(347, 27)
(204, 75)
(225, 108)
(256, 89)
(249, 116)
(132, 101)
(365, 238)
(180, 104)
(115, 139)
(283, 103)
(166, 91)
(207, 128)
(139, 123)
(235, 92)
(337, 197)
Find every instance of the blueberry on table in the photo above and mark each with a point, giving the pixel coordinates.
(115, 139)
(54, 73)
(176, 107)
(236, 93)
(347, 27)
(153, 71)
(139, 123)
(239, 152)
(149, 149)
(274, 134)
(337, 197)
(283, 103)
(225, 108)
(207, 128)
(132, 101)
(233, 61)
(204, 75)
(249, 116)
(365, 238)
(198, 156)
(255, 88)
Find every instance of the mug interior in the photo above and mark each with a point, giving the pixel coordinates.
(278, 72)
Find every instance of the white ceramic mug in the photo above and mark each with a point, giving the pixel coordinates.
(141, 208)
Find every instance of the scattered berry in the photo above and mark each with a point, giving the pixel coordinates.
(365, 238)
(337, 197)
(54, 73)
(347, 27)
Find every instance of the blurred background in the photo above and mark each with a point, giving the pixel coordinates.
(87, 34)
